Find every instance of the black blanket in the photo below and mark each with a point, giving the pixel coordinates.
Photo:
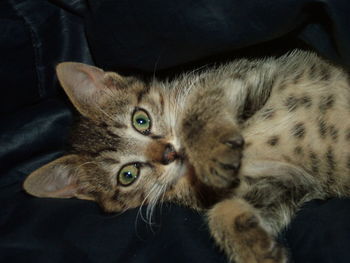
(144, 37)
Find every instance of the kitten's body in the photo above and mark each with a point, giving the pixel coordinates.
(292, 113)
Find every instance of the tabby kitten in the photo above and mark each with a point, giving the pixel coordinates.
(247, 143)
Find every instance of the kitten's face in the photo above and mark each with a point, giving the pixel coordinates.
(126, 148)
(146, 158)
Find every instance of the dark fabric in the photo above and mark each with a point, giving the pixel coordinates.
(139, 36)
(320, 233)
(151, 35)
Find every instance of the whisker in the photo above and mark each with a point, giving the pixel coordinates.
(162, 198)
(156, 65)
(158, 197)
(139, 213)
(152, 204)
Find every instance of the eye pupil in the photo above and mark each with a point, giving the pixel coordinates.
(128, 175)
(141, 121)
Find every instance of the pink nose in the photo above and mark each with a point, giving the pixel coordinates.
(169, 154)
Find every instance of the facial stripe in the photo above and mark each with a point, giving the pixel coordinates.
(142, 93)
(161, 102)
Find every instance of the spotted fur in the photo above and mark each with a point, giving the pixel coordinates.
(245, 143)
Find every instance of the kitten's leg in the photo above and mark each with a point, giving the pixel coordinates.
(212, 139)
(245, 226)
(239, 230)
(211, 130)
(215, 154)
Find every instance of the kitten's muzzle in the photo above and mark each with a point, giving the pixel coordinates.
(169, 154)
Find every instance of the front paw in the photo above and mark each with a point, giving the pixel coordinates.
(220, 165)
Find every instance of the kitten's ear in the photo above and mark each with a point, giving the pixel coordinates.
(58, 179)
(85, 85)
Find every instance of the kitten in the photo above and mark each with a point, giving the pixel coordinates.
(247, 143)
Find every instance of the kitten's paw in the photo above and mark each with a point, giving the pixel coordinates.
(223, 163)
(264, 248)
(238, 230)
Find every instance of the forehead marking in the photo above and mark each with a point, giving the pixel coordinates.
(142, 93)
(161, 100)
(110, 160)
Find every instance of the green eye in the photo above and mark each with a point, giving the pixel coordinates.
(141, 121)
(128, 174)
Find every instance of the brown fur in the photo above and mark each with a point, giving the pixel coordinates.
(247, 143)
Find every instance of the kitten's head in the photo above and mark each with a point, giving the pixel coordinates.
(125, 147)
